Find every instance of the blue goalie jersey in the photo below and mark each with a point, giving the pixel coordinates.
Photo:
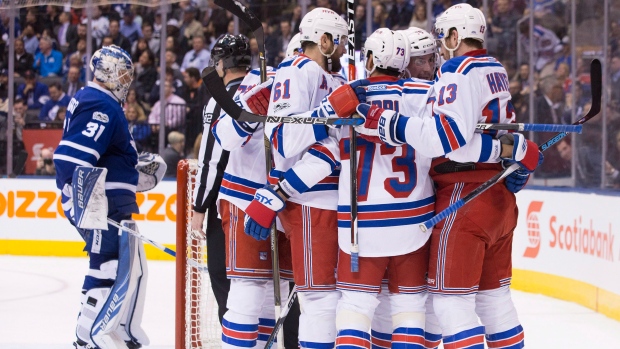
(96, 133)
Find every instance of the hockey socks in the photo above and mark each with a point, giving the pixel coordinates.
(470, 339)
(380, 340)
(511, 339)
(352, 339)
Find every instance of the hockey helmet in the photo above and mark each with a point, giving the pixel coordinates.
(112, 66)
(233, 50)
(320, 21)
(293, 45)
(390, 50)
(421, 41)
(468, 21)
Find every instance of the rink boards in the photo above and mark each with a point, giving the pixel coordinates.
(564, 244)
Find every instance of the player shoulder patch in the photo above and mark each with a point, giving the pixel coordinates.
(99, 116)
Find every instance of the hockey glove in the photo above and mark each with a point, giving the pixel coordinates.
(379, 125)
(151, 169)
(517, 180)
(257, 98)
(524, 152)
(343, 100)
(261, 212)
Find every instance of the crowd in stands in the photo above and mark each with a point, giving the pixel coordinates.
(51, 63)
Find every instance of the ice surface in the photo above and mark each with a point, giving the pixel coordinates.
(39, 301)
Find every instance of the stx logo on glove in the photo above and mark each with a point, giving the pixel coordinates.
(263, 199)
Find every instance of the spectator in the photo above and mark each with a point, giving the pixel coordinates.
(419, 19)
(81, 35)
(140, 46)
(57, 99)
(197, 98)
(296, 19)
(503, 29)
(32, 91)
(132, 101)
(360, 27)
(379, 17)
(73, 83)
(254, 52)
(174, 152)
(48, 62)
(49, 33)
(31, 41)
(546, 44)
(523, 76)
(177, 84)
(519, 101)
(400, 15)
(52, 17)
(588, 166)
(4, 84)
(19, 114)
(175, 111)
(190, 27)
(59, 120)
(614, 71)
(100, 24)
(565, 54)
(129, 28)
(107, 41)
(78, 60)
(65, 32)
(23, 59)
(171, 62)
(149, 37)
(285, 36)
(118, 39)
(439, 6)
(612, 164)
(198, 57)
(32, 20)
(45, 164)
(138, 127)
(146, 74)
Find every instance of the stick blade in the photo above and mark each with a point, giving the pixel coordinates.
(596, 84)
(237, 9)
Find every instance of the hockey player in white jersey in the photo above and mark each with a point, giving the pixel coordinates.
(395, 194)
(96, 134)
(305, 175)
(471, 87)
(250, 317)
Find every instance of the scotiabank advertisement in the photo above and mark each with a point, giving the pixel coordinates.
(30, 210)
(573, 235)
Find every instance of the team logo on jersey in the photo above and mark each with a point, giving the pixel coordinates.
(99, 116)
(376, 88)
(281, 106)
(533, 229)
(206, 117)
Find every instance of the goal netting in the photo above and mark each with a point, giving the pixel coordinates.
(197, 323)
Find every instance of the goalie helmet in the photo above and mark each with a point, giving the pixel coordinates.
(294, 44)
(112, 66)
(320, 21)
(233, 50)
(390, 50)
(468, 21)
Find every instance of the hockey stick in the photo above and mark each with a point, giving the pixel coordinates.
(218, 91)
(596, 83)
(256, 26)
(281, 318)
(352, 142)
(531, 127)
(142, 237)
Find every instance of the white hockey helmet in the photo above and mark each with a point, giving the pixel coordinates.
(468, 21)
(320, 21)
(390, 50)
(421, 42)
(112, 66)
(294, 44)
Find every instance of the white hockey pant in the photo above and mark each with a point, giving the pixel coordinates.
(317, 320)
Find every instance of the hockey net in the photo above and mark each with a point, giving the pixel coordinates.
(197, 323)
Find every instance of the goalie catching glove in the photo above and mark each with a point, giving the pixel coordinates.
(151, 169)
(261, 213)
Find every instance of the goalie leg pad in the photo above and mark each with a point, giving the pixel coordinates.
(130, 329)
(245, 304)
(317, 321)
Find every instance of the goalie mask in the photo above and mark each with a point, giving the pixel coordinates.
(389, 49)
(112, 66)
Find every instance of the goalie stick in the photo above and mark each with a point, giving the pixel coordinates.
(595, 108)
(218, 91)
(142, 237)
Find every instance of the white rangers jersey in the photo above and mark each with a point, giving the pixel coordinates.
(299, 86)
(246, 170)
(469, 89)
(395, 192)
